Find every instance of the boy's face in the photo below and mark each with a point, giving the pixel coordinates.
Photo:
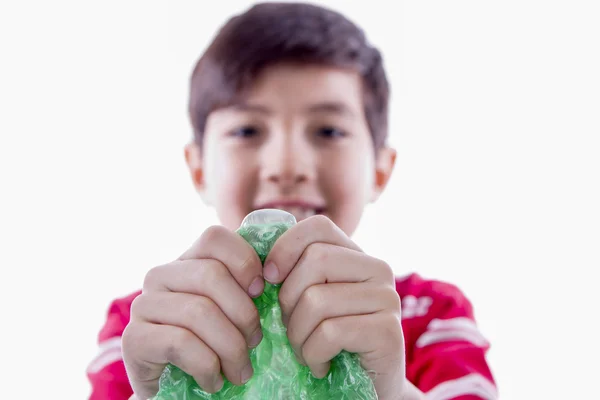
(299, 142)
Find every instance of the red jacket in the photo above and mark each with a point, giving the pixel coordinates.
(445, 352)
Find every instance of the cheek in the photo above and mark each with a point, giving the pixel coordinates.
(352, 178)
(231, 184)
(348, 184)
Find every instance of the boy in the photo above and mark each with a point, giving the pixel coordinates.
(289, 111)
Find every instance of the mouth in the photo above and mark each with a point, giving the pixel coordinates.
(301, 210)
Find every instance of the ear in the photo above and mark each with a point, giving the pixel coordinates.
(384, 165)
(193, 159)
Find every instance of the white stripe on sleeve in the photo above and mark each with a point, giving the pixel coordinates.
(109, 351)
(453, 329)
(453, 323)
(473, 384)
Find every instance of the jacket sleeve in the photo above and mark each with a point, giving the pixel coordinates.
(106, 372)
(445, 351)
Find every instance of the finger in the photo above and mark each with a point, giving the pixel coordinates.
(325, 301)
(201, 316)
(212, 279)
(231, 249)
(148, 348)
(324, 263)
(377, 338)
(288, 249)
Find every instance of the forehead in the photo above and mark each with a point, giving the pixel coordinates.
(301, 86)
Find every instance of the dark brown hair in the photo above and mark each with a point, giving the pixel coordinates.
(270, 33)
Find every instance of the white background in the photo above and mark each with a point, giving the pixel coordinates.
(495, 114)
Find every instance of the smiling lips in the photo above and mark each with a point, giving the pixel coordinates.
(299, 209)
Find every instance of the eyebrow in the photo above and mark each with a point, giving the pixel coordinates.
(330, 107)
(252, 108)
(327, 107)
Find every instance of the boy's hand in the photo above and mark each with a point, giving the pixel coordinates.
(197, 314)
(334, 297)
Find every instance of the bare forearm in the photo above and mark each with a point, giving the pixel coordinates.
(411, 392)
(403, 391)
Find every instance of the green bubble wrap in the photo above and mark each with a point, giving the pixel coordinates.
(277, 373)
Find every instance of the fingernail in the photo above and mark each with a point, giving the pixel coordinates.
(256, 287)
(256, 338)
(219, 383)
(320, 371)
(271, 272)
(247, 373)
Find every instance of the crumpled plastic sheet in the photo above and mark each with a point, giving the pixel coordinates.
(277, 373)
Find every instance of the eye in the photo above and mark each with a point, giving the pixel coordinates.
(329, 132)
(245, 132)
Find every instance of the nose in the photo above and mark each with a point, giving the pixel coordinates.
(287, 162)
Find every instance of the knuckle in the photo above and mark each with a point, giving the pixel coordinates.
(316, 252)
(329, 331)
(131, 342)
(137, 306)
(323, 222)
(385, 270)
(395, 303)
(210, 271)
(314, 297)
(198, 309)
(130, 339)
(153, 277)
(211, 234)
